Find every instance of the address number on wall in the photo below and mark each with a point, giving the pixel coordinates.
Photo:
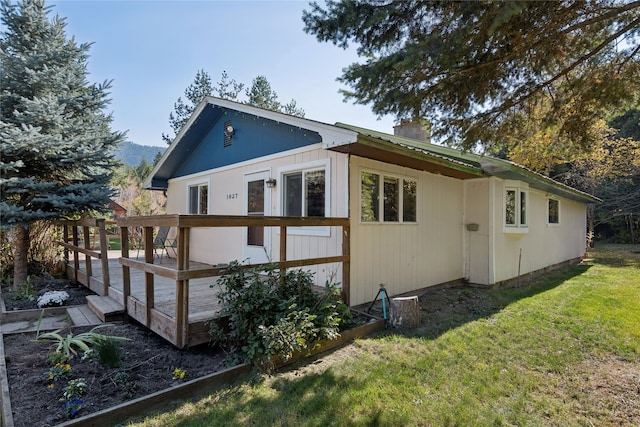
(232, 196)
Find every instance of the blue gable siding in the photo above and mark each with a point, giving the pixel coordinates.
(254, 137)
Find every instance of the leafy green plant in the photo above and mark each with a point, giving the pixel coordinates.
(270, 313)
(54, 358)
(75, 388)
(128, 387)
(68, 345)
(107, 352)
(25, 291)
(59, 371)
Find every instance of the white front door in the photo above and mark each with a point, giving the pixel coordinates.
(257, 201)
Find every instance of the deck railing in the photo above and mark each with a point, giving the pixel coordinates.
(178, 330)
(87, 237)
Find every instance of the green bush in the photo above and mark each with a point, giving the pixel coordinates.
(108, 352)
(271, 314)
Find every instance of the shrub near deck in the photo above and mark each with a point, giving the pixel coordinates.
(565, 350)
(271, 313)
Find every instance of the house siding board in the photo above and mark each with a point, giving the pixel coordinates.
(254, 137)
(543, 245)
(405, 257)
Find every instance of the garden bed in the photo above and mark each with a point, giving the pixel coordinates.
(25, 298)
(144, 381)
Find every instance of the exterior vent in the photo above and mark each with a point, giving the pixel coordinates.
(227, 135)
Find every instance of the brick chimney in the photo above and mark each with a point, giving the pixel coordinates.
(413, 128)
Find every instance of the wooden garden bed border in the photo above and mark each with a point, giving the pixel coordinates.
(191, 389)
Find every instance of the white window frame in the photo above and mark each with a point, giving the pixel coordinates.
(323, 164)
(199, 183)
(521, 189)
(554, 224)
(401, 179)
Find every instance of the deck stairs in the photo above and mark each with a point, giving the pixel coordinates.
(106, 308)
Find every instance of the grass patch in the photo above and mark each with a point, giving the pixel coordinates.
(565, 350)
(115, 244)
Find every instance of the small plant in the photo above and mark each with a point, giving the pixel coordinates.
(75, 388)
(66, 345)
(72, 407)
(25, 291)
(128, 387)
(179, 374)
(52, 299)
(54, 358)
(59, 371)
(107, 352)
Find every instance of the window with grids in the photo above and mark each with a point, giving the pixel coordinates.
(198, 199)
(386, 198)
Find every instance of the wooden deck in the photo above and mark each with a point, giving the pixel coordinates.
(174, 297)
(203, 303)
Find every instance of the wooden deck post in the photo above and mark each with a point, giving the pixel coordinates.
(148, 277)
(283, 248)
(182, 288)
(126, 274)
(104, 255)
(86, 236)
(346, 264)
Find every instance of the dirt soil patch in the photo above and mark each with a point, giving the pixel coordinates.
(147, 366)
(27, 298)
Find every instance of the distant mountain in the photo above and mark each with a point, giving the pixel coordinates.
(132, 154)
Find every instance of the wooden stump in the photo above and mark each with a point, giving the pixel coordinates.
(405, 312)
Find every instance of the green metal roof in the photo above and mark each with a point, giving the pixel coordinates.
(475, 164)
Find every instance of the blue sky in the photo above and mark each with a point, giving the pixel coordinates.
(153, 49)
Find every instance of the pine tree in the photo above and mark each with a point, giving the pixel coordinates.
(470, 66)
(56, 144)
(260, 94)
(194, 93)
(228, 89)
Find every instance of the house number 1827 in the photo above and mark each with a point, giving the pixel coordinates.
(232, 196)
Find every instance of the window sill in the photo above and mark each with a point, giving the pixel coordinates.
(516, 230)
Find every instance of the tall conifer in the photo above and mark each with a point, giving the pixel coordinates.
(55, 139)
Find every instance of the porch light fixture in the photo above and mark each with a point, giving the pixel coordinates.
(271, 183)
(229, 131)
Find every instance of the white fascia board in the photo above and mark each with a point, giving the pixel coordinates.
(331, 135)
(196, 112)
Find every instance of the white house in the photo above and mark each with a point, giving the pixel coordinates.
(420, 214)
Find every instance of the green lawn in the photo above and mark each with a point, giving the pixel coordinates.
(564, 351)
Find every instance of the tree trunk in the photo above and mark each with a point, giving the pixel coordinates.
(405, 312)
(20, 253)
